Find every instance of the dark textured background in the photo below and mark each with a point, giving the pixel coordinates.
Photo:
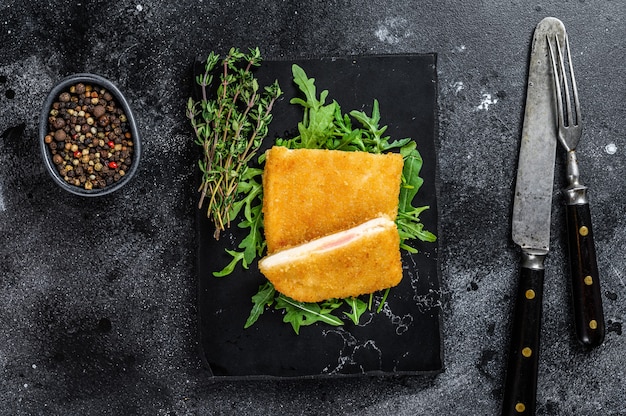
(97, 297)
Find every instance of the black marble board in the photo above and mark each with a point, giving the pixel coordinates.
(405, 337)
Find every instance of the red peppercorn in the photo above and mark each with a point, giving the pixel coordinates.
(112, 165)
(78, 154)
(111, 144)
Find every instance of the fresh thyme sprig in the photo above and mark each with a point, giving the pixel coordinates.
(230, 128)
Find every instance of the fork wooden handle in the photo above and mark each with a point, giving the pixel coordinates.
(586, 294)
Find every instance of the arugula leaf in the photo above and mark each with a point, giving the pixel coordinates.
(357, 308)
(384, 299)
(317, 123)
(237, 257)
(250, 187)
(307, 86)
(410, 228)
(303, 313)
(374, 136)
(411, 181)
(263, 298)
(346, 138)
(253, 244)
(409, 224)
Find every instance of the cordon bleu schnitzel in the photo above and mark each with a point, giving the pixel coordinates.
(329, 222)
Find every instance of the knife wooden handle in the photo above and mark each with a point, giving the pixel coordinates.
(520, 387)
(586, 294)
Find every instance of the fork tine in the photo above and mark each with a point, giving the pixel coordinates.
(574, 88)
(557, 84)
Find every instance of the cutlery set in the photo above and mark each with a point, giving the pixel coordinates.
(552, 113)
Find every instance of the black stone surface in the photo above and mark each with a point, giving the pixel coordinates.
(405, 337)
(98, 297)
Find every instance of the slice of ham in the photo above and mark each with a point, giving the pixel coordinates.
(326, 243)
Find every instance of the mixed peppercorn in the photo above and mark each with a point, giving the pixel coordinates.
(89, 137)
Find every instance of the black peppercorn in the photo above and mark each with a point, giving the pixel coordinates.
(103, 120)
(58, 123)
(98, 111)
(59, 135)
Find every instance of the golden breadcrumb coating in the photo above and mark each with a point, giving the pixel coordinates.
(309, 193)
(364, 264)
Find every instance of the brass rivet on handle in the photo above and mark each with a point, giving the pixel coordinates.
(593, 324)
(588, 280)
(520, 407)
(530, 294)
(527, 352)
(583, 231)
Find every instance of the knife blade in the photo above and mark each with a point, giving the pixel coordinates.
(532, 208)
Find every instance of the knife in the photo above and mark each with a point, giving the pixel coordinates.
(532, 206)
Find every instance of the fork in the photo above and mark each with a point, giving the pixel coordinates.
(586, 294)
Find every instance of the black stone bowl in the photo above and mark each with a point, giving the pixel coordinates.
(120, 100)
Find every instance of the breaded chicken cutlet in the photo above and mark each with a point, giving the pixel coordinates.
(357, 261)
(311, 193)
